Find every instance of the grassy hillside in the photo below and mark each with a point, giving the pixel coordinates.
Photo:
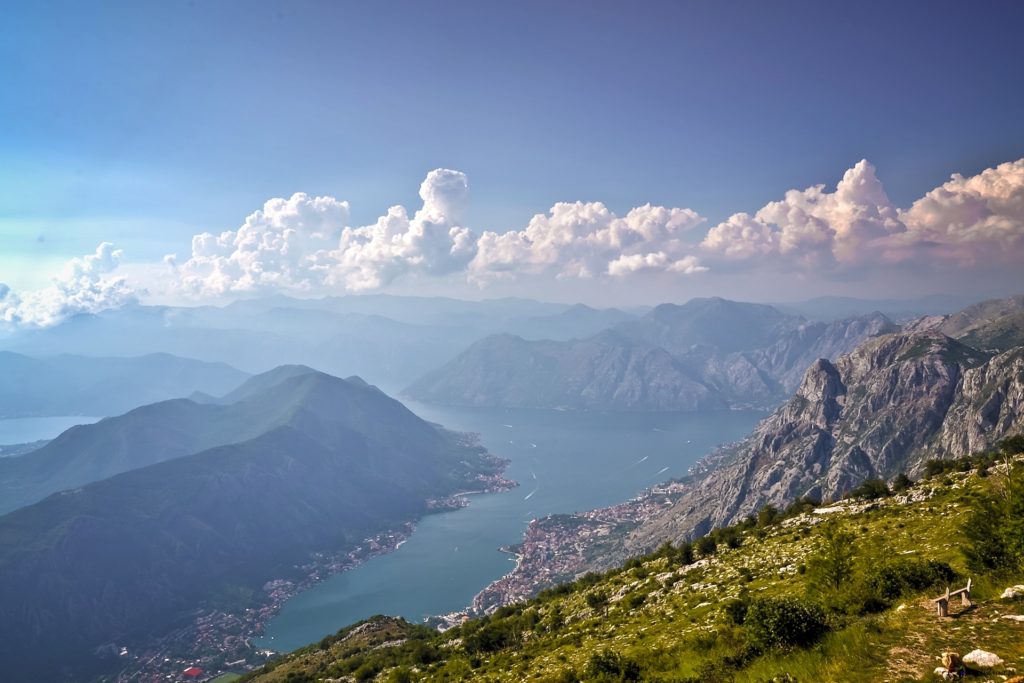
(759, 607)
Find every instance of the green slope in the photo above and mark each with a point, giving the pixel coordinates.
(665, 618)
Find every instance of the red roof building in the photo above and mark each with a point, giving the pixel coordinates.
(193, 672)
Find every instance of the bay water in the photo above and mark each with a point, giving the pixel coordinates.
(28, 429)
(564, 462)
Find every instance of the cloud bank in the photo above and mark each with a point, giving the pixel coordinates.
(306, 245)
(964, 222)
(84, 285)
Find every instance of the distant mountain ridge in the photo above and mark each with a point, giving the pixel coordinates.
(82, 385)
(324, 463)
(389, 340)
(705, 354)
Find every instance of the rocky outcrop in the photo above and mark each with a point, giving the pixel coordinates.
(896, 401)
(990, 401)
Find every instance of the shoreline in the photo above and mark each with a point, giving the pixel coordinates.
(561, 547)
(221, 641)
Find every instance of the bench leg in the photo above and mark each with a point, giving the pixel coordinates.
(943, 608)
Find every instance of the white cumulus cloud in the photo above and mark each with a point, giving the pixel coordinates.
(962, 221)
(587, 240)
(304, 244)
(84, 285)
(812, 227)
(432, 241)
(979, 217)
(273, 249)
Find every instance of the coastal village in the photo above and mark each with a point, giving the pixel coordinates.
(557, 547)
(217, 644)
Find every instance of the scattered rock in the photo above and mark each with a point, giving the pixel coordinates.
(952, 668)
(982, 659)
(1014, 617)
(1013, 592)
(941, 672)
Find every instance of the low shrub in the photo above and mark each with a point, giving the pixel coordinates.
(784, 622)
(870, 489)
(736, 610)
(608, 666)
(706, 546)
(898, 577)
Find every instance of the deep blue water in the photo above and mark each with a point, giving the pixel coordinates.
(564, 462)
(27, 429)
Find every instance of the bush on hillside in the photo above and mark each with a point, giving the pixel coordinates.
(784, 622)
(608, 666)
(1012, 445)
(801, 505)
(870, 489)
(706, 546)
(767, 516)
(684, 553)
(994, 531)
(895, 578)
(831, 565)
(736, 610)
(729, 535)
(901, 483)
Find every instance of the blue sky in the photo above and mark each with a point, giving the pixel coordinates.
(143, 123)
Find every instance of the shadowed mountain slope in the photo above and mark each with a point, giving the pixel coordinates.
(326, 463)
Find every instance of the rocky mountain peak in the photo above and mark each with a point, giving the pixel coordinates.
(894, 402)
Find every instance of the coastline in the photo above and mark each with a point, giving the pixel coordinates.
(221, 641)
(562, 547)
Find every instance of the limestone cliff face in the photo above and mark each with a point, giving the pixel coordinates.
(894, 402)
(990, 401)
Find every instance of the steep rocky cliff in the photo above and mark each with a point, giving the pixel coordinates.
(887, 407)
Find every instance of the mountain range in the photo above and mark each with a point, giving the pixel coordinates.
(705, 354)
(893, 403)
(220, 497)
(390, 340)
(98, 386)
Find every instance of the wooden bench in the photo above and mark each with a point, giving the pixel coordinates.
(942, 602)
